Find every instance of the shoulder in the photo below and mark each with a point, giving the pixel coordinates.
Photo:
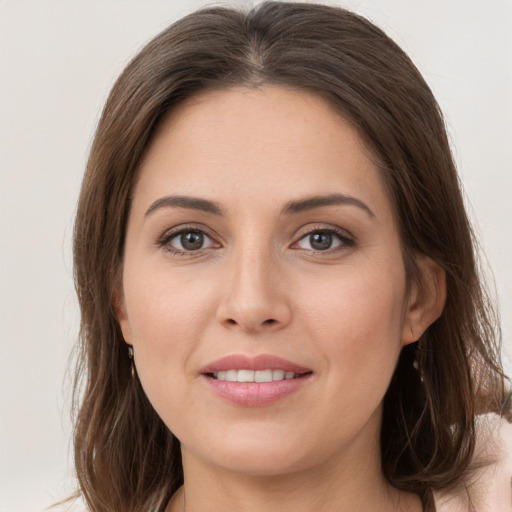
(489, 488)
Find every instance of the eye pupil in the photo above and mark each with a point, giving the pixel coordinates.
(320, 241)
(192, 240)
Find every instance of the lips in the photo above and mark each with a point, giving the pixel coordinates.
(258, 363)
(254, 381)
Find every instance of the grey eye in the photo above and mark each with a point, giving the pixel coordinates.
(187, 240)
(191, 240)
(320, 241)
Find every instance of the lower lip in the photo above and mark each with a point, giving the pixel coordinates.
(255, 394)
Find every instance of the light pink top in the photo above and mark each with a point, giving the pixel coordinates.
(491, 489)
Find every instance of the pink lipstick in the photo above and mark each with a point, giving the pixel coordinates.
(254, 381)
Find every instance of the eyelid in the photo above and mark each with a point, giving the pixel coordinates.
(346, 238)
(169, 234)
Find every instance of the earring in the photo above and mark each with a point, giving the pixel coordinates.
(130, 355)
(415, 363)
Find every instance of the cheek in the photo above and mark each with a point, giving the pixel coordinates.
(357, 322)
(167, 315)
(160, 303)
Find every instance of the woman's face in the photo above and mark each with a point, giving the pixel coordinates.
(263, 287)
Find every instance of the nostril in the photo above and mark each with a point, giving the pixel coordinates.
(251, 324)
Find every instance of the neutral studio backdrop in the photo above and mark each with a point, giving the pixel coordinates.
(58, 59)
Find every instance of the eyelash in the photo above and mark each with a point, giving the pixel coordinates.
(165, 239)
(346, 240)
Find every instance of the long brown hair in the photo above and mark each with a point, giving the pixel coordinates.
(126, 459)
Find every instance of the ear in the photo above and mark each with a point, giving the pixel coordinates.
(426, 299)
(121, 315)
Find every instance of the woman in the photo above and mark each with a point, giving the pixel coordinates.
(280, 303)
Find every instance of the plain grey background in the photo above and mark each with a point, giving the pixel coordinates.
(58, 59)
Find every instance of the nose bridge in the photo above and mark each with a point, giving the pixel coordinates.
(254, 297)
(253, 275)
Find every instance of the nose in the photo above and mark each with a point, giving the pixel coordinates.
(254, 298)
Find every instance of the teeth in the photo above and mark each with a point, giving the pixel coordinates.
(254, 376)
(232, 375)
(245, 376)
(277, 374)
(263, 376)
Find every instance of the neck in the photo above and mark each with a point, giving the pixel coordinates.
(343, 483)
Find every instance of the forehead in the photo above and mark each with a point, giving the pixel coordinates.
(263, 142)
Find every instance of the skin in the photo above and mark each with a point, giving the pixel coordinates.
(257, 285)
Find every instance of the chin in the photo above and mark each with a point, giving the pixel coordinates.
(260, 454)
(263, 463)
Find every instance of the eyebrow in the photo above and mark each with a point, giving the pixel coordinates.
(296, 206)
(310, 203)
(190, 203)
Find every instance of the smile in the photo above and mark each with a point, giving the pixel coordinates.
(255, 376)
(255, 381)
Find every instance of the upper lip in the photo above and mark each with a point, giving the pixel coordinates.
(256, 363)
